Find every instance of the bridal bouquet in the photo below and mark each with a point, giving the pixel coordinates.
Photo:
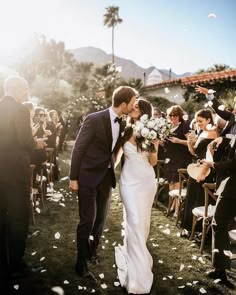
(145, 130)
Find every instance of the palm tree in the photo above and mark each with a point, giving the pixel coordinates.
(111, 19)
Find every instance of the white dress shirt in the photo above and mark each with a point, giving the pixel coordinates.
(115, 127)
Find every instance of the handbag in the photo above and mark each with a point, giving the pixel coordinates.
(194, 169)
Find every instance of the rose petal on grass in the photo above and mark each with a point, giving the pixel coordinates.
(38, 210)
(203, 291)
(106, 230)
(66, 282)
(201, 260)
(92, 291)
(217, 281)
(179, 278)
(54, 247)
(170, 277)
(33, 253)
(104, 286)
(101, 275)
(195, 282)
(57, 235)
(228, 253)
(181, 267)
(16, 287)
(160, 261)
(166, 231)
(42, 258)
(91, 238)
(116, 284)
(181, 287)
(164, 278)
(58, 290)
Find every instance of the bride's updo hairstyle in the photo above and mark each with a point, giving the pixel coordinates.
(206, 114)
(145, 109)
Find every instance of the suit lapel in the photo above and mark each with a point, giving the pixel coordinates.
(107, 125)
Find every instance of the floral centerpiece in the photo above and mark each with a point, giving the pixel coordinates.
(146, 130)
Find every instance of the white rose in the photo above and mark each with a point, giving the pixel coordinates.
(145, 132)
(144, 146)
(151, 124)
(139, 124)
(152, 134)
(144, 118)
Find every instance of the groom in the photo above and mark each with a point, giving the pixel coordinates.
(92, 173)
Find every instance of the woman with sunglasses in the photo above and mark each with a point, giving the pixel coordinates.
(176, 150)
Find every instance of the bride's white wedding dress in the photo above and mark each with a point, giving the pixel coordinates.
(137, 189)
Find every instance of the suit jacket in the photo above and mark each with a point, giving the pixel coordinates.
(16, 142)
(226, 168)
(92, 153)
(224, 114)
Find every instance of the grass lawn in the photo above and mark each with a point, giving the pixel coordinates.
(51, 251)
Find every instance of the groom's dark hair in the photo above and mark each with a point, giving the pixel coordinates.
(123, 94)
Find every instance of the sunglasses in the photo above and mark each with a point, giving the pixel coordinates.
(173, 115)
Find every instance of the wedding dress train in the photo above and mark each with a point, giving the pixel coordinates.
(137, 189)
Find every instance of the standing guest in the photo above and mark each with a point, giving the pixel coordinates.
(197, 146)
(225, 207)
(92, 173)
(16, 145)
(176, 150)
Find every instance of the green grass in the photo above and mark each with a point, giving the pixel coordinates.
(174, 251)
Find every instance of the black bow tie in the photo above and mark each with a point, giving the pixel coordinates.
(119, 120)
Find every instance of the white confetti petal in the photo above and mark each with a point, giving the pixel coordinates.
(58, 290)
(33, 253)
(106, 230)
(101, 275)
(103, 247)
(93, 291)
(194, 257)
(189, 284)
(113, 265)
(43, 270)
(91, 238)
(57, 236)
(179, 278)
(106, 241)
(113, 244)
(201, 260)
(160, 261)
(181, 287)
(181, 267)
(66, 282)
(155, 245)
(203, 291)
(217, 281)
(38, 210)
(116, 284)
(166, 231)
(170, 277)
(164, 278)
(80, 288)
(104, 286)
(215, 250)
(54, 247)
(16, 287)
(195, 282)
(178, 235)
(211, 15)
(228, 253)
(42, 258)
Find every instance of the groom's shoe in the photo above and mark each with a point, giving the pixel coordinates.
(84, 273)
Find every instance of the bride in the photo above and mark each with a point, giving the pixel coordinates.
(137, 189)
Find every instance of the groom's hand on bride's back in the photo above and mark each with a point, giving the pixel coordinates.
(74, 185)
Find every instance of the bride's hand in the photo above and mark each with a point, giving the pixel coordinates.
(155, 142)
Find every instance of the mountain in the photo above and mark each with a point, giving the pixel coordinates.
(129, 68)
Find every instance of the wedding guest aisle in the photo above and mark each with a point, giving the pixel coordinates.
(178, 268)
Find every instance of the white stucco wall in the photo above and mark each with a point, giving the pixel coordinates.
(175, 93)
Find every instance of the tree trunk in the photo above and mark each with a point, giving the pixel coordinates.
(113, 54)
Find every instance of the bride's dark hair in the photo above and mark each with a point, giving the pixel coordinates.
(145, 109)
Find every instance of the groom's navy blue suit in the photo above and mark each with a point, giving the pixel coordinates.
(92, 166)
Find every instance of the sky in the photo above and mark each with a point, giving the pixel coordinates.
(167, 34)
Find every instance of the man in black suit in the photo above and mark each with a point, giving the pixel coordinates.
(92, 173)
(16, 145)
(225, 207)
